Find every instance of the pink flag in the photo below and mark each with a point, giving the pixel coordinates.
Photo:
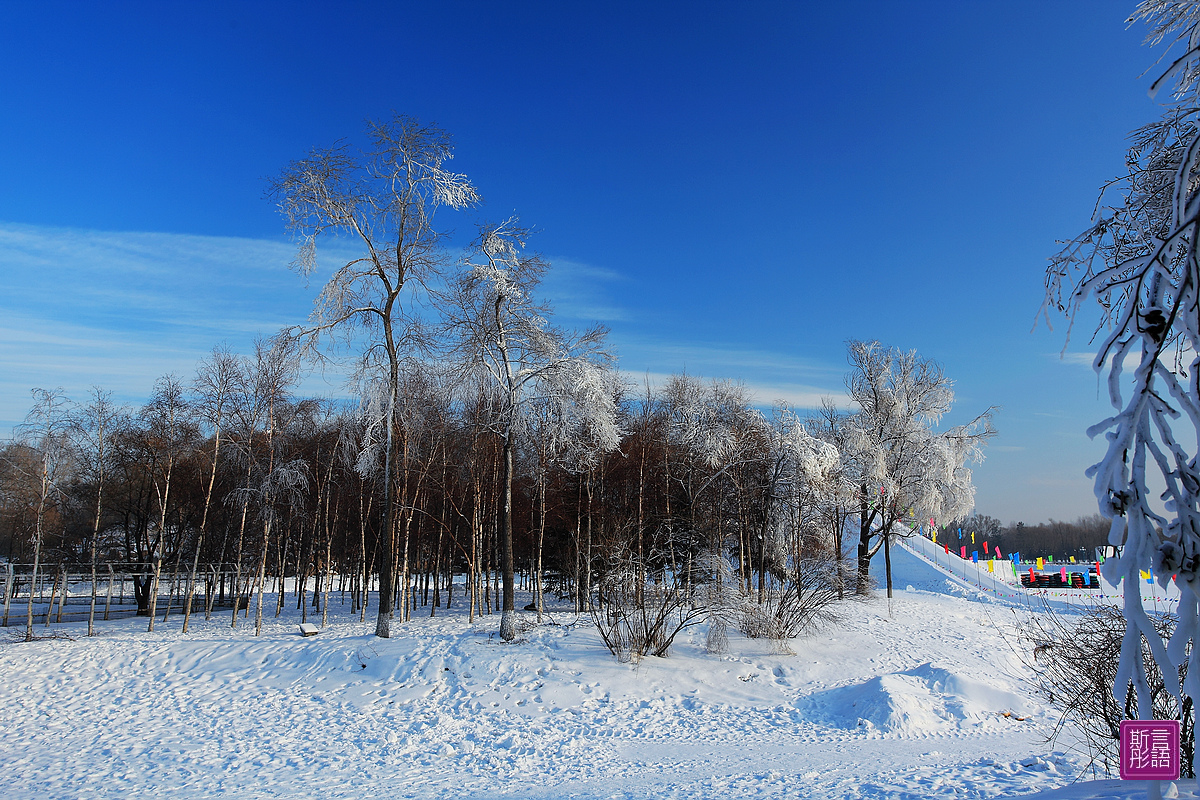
(964, 552)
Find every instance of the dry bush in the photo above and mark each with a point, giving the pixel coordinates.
(1074, 661)
(798, 606)
(636, 619)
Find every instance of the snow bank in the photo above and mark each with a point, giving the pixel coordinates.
(922, 700)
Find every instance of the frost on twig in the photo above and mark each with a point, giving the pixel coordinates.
(1138, 264)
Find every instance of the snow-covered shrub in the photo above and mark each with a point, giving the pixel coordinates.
(1074, 660)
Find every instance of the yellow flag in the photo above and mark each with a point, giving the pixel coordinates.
(1145, 575)
(933, 535)
(991, 565)
(972, 537)
(1041, 563)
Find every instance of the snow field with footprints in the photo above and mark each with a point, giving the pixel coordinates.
(900, 700)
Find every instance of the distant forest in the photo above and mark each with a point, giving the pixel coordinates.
(1054, 538)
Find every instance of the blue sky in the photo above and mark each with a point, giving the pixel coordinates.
(736, 189)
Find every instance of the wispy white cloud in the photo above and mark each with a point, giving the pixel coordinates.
(118, 309)
(579, 291)
(763, 394)
(1085, 359)
(1076, 358)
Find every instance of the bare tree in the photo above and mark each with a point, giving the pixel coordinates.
(215, 381)
(276, 479)
(93, 427)
(385, 200)
(170, 434)
(45, 434)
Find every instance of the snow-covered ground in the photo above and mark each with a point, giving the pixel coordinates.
(913, 699)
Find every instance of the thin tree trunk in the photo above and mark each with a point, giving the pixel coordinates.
(37, 547)
(887, 560)
(864, 543)
(95, 532)
(62, 599)
(328, 555)
(235, 589)
(212, 478)
(50, 605)
(154, 590)
(508, 618)
(9, 579)
(385, 612)
(541, 609)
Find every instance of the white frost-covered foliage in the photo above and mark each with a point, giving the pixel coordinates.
(1138, 263)
(503, 344)
(810, 460)
(905, 469)
(711, 423)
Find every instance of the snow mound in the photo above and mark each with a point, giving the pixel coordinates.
(922, 700)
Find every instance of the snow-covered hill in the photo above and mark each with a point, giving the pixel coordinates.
(923, 697)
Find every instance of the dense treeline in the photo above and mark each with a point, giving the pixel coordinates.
(1054, 538)
(235, 473)
(237, 484)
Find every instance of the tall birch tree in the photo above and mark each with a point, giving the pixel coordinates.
(45, 433)
(502, 340)
(384, 200)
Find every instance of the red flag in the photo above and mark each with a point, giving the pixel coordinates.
(964, 552)
(985, 548)
(947, 548)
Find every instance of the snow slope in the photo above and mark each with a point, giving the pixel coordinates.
(915, 698)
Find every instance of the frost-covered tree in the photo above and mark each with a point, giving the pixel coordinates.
(277, 479)
(1138, 264)
(383, 200)
(503, 343)
(905, 470)
(838, 500)
(801, 470)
